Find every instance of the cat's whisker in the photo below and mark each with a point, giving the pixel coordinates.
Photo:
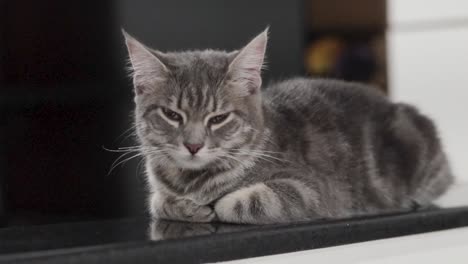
(131, 129)
(263, 151)
(128, 149)
(259, 153)
(124, 150)
(256, 156)
(130, 132)
(135, 147)
(120, 160)
(268, 156)
(226, 155)
(117, 150)
(139, 150)
(262, 158)
(131, 147)
(140, 154)
(139, 166)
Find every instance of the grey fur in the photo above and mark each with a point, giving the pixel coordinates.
(299, 149)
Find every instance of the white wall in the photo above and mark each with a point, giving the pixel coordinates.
(428, 67)
(403, 12)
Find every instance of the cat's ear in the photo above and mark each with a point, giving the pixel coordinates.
(147, 69)
(246, 68)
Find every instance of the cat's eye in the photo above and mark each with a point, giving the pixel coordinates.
(172, 115)
(218, 119)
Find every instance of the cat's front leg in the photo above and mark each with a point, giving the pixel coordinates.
(170, 207)
(274, 201)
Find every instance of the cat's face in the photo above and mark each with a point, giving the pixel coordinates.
(201, 108)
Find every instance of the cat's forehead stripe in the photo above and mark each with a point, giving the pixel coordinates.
(197, 98)
(215, 103)
(206, 97)
(179, 98)
(188, 98)
(201, 96)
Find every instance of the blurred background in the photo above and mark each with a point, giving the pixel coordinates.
(65, 96)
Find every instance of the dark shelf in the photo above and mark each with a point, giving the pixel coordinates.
(130, 240)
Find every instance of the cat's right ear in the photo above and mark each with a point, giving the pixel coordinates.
(246, 68)
(147, 69)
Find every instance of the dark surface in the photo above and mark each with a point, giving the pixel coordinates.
(140, 241)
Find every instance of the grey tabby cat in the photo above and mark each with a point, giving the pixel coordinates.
(219, 148)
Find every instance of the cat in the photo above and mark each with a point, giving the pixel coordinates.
(219, 147)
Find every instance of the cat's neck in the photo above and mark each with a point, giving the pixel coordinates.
(270, 119)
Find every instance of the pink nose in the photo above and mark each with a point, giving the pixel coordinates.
(193, 148)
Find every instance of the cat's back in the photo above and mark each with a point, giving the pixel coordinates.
(351, 129)
(318, 98)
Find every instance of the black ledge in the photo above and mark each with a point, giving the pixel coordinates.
(139, 241)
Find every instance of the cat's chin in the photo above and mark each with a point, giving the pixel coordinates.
(190, 163)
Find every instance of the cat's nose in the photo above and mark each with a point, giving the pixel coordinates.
(193, 148)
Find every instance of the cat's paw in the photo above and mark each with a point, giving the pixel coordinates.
(193, 212)
(182, 209)
(255, 204)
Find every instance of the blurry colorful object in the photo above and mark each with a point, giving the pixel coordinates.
(323, 54)
(356, 63)
(342, 58)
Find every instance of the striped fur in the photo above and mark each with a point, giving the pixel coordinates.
(297, 150)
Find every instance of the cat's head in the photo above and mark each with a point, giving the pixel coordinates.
(197, 109)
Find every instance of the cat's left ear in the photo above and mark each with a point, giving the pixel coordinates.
(147, 69)
(246, 68)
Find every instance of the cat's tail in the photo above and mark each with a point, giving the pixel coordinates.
(435, 182)
(433, 176)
